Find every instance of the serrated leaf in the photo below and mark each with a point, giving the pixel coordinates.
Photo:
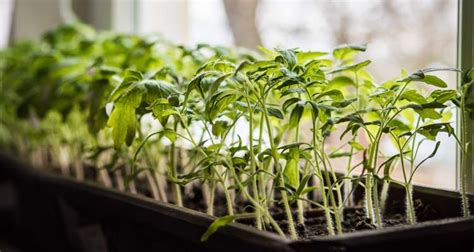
(122, 119)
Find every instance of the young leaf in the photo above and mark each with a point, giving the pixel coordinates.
(354, 67)
(122, 120)
(296, 114)
(333, 93)
(430, 131)
(442, 96)
(434, 81)
(413, 96)
(347, 52)
(216, 224)
(430, 156)
(275, 112)
(305, 56)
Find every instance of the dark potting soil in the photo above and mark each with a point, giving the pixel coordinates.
(355, 219)
(314, 225)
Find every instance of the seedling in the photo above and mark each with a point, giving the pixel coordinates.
(257, 129)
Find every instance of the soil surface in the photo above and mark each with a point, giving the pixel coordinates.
(314, 225)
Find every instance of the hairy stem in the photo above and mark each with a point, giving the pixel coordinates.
(411, 216)
(384, 196)
(378, 216)
(464, 155)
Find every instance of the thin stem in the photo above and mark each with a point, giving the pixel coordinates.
(176, 187)
(228, 198)
(384, 196)
(253, 170)
(411, 217)
(212, 193)
(327, 213)
(337, 216)
(284, 196)
(299, 203)
(464, 155)
(256, 204)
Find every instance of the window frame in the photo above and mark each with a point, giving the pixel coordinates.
(465, 53)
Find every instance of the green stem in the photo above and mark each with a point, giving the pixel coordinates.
(384, 196)
(228, 198)
(212, 193)
(348, 183)
(337, 215)
(253, 170)
(411, 216)
(378, 216)
(299, 203)
(176, 187)
(327, 213)
(256, 204)
(368, 197)
(464, 155)
(284, 196)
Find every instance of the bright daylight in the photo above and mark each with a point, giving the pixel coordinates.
(236, 125)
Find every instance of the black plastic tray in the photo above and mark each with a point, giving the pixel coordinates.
(47, 212)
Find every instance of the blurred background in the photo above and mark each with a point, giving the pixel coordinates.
(409, 34)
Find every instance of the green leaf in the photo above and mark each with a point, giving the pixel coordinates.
(287, 56)
(122, 119)
(341, 81)
(387, 164)
(216, 224)
(426, 110)
(428, 113)
(354, 67)
(413, 96)
(219, 127)
(340, 154)
(356, 145)
(430, 131)
(442, 96)
(296, 114)
(333, 93)
(293, 91)
(170, 134)
(275, 112)
(305, 56)
(434, 81)
(347, 52)
(430, 156)
(290, 102)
